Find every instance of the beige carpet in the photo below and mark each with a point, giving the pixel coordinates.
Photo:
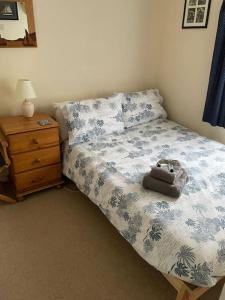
(56, 245)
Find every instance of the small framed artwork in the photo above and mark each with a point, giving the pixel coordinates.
(196, 13)
(8, 10)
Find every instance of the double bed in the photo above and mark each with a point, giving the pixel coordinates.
(183, 238)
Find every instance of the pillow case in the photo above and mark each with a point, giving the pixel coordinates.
(89, 119)
(142, 107)
(59, 116)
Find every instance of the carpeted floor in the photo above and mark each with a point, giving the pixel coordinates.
(56, 245)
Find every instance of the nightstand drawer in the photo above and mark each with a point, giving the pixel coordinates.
(35, 159)
(36, 178)
(34, 140)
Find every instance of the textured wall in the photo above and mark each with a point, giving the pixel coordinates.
(185, 62)
(92, 48)
(85, 48)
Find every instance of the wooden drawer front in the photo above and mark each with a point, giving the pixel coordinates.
(35, 159)
(33, 140)
(36, 178)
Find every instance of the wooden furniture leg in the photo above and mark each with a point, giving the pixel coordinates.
(7, 199)
(198, 292)
(184, 292)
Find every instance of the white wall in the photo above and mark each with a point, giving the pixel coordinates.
(184, 67)
(94, 48)
(85, 49)
(15, 29)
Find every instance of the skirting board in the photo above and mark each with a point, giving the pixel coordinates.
(183, 291)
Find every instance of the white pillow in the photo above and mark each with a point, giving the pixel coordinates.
(89, 119)
(59, 116)
(142, 107)
(156, 93)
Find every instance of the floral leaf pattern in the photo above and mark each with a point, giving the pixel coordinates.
(58, 109)
(90, 119)
(221, 251)
(183, 237)
(142, 107)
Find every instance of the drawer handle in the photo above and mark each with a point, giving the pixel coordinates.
(35, 141)
(37, 161)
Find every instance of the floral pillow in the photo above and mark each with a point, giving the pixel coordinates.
(59, 116)
(89, 119)
(142, 107)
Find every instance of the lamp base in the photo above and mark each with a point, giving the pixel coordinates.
(28, 109)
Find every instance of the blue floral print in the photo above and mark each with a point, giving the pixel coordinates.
(142, 107)
(183, 237)
(90, 119)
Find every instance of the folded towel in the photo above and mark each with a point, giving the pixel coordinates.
(172, 190)
(166, 170)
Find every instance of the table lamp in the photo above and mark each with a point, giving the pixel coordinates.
(25, 91)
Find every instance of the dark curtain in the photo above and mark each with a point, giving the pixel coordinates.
(214, 112)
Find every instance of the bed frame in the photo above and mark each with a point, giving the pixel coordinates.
(183, 291)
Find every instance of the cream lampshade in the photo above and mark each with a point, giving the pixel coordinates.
(25, 91)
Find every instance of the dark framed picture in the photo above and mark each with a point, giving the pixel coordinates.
(196, 13)
(8, 10)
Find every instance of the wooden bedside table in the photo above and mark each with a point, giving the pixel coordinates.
(34, 152)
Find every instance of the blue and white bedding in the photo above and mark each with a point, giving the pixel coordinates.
(183, 237)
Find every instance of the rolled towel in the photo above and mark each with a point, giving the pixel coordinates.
(166, 170)
(172, 190)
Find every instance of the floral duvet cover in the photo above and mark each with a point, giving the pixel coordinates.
(184, 237)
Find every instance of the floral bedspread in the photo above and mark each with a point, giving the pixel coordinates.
(183, 237)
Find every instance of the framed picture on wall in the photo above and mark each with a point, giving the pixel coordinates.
(8, 10)
(196, 13)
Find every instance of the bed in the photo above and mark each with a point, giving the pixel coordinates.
(182, 238)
